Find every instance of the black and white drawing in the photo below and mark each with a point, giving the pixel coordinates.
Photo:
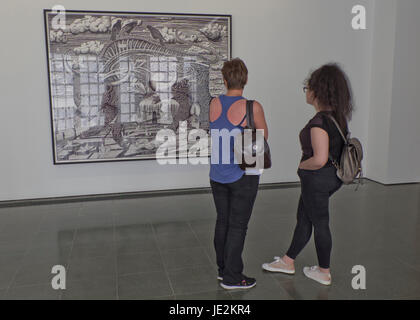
(116, 79)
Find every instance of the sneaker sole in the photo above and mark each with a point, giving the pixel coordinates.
(228, 287)
(271, 269)
(219, 278)
(324, 282)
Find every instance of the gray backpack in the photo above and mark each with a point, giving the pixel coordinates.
(350, 166)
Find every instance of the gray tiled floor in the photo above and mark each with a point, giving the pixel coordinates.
(161, 247)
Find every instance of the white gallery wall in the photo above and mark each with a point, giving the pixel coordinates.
(393, 152)
(280, 40)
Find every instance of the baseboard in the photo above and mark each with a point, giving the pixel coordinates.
(139, 194)
(129, 195)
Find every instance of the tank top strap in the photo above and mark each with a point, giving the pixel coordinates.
(243, 120)
(226, 103)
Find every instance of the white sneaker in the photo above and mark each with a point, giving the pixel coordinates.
(315, 274)
(278, 265)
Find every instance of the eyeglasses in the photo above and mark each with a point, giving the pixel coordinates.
(305, 89)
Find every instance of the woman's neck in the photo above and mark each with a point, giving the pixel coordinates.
(320, 108)
(234, 92)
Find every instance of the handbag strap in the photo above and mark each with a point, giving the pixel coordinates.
(250, 114)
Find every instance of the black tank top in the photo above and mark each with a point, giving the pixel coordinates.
(336, 143)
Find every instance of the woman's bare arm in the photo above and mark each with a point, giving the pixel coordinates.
(259, 118)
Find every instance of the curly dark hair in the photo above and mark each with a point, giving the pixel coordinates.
(331, 88)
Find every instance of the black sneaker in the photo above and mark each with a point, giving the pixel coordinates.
(220, 276)
(246, 283)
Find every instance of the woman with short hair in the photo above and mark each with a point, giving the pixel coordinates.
(234, 190)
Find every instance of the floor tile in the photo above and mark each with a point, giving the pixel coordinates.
(52, 254)
(210, 295)
(144, 286)
(185, 257)
(34, 274)
(9, 266)
(91, 268)
(94, 235)
(171, 228)
(93, 250)
(266, 289)
(34, 292)
(139, 263)
(307, 289)
(177, 241)
(133, 232)
(104, 288)
(145, 243)
(194, 280)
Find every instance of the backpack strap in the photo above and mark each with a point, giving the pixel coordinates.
(339, 129)
(250, 114)
(333, 161)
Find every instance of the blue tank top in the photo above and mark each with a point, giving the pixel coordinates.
(224, 170)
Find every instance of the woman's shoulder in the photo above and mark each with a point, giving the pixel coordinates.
(257, 106)
(215, 101)
(212, 99)
(317, 121)
(324, 121)
(257, 103)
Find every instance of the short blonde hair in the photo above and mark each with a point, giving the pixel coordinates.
(235, 73)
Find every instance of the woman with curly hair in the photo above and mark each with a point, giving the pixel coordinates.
(328, 90)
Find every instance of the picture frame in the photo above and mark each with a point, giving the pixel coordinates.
(116, 79)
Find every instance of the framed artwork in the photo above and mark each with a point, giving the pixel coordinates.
(117, 78)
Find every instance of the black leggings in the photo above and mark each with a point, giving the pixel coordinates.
(316, 189)
(234, 203)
